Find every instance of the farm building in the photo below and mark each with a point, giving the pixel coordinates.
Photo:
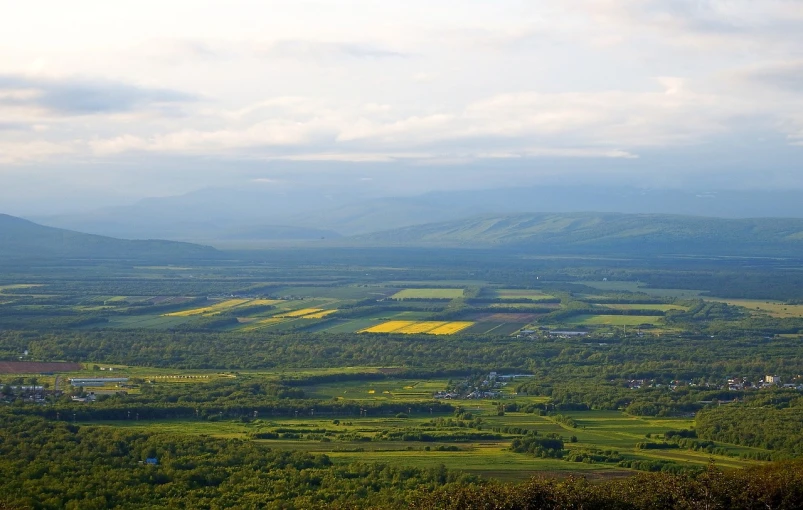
(98, 381)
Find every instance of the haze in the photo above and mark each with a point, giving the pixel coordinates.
(103, 105)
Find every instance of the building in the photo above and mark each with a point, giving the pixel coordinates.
(97, 381)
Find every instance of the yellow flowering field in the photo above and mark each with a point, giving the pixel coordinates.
(451, 328)
(318, 315)
(387, 327)
(302, 313)
(216, 308)
(419, 327)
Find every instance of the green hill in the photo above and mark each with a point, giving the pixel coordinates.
(22, 239)
(606, 232)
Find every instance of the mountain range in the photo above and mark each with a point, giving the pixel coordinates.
(222, 215)
(605, 233)
(525, 233)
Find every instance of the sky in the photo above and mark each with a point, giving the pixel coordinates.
(105, 102)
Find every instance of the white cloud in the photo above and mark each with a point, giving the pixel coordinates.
(448, 82)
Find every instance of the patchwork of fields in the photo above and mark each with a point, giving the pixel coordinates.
(389, 307)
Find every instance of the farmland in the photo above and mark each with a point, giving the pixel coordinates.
(614, 320)
(531, 294)
(367, 362)
(771, 308)
(428, 294)
(423, 327)
(370, 436)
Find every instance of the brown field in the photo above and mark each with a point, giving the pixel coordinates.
(507, 317)
(34, 367)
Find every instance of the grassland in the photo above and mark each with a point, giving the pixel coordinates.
(428, 294)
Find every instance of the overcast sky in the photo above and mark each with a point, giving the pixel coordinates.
(132, 98)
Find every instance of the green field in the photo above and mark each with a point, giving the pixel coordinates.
(428, 294)
(339, 292)
(604, 430)
(614, 320)
(630, 286)
(635, 306)
(143, 321)
(535, 295)
(771, 308)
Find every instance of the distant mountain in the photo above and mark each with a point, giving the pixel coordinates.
(22, 239)
(206, 215)
(605, 232)
(268, 214)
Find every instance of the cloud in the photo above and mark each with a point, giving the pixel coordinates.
(34, 151)
(320, 50)
(784, 76)
(71, 96)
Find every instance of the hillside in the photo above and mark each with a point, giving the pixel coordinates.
(23, 239)
(606, 232)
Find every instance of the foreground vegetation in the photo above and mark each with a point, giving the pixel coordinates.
(439, 380)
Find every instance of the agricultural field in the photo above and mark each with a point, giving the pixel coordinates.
(428, 294)
(33, 367)
(771, 308)
(639, 306)
(422, 327)
(220, 306)
(307, 313)
(17, 286)
(535, 295)
(495, 328)
(348, 292)
(614, 320)
(630, 286)
(143, 321)
(365, 438)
